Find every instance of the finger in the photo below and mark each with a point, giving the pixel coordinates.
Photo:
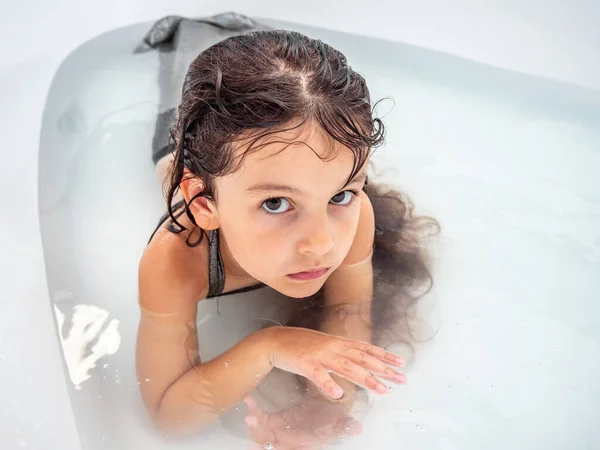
(398, 379)
(251, 402)
(379, 353)
(374, 365)
(324, 431)
(356, 374)
(258, 432)
(254, 409)
(320, 376)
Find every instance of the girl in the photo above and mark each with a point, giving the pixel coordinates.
(267, 188)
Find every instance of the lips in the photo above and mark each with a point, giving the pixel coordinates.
(312, 274)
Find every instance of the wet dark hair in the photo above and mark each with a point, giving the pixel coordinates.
(250, 86)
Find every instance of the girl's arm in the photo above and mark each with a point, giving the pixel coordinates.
(181, 393)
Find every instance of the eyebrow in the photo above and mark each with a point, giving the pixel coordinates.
(261, 187)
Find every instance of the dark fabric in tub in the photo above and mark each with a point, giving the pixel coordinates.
(179, 40)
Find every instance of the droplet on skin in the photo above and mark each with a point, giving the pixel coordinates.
(226, 363)
(147, 380)
(268, 446)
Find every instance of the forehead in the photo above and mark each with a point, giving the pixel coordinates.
(306, 158)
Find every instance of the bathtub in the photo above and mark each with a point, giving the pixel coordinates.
(507, 162)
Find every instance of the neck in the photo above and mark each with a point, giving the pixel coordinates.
(232, 268)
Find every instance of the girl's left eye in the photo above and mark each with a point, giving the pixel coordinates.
(280, 205)
(343, 198)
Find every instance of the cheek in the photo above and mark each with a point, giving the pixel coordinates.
(255, 246)
(347, 225)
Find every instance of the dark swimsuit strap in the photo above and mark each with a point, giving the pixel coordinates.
(216, 269)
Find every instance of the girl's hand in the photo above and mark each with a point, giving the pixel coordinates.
(314, 355)
(305, 426)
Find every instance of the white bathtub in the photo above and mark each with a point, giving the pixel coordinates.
(507, 162)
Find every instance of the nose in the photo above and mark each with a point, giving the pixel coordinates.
(317, 237)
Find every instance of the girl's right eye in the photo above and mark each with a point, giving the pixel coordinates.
(277, 205)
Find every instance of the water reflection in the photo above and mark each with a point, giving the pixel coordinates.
(88, 336)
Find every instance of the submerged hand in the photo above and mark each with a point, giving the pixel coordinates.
(303, 427)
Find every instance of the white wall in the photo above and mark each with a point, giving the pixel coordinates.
(551, 38)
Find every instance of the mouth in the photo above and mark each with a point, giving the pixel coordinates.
(312, 274)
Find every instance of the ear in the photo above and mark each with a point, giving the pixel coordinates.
(204, 211)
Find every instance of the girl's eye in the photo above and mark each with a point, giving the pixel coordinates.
(343, 198)
(276, 205)
(279, 205)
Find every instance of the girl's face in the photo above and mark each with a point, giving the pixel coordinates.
(287, 211)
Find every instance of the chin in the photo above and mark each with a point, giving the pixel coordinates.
(303, 290)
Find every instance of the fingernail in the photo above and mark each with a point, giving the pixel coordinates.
(400, 361)
(337, 392)
(252, 421)
(381, 388)
(400, 379)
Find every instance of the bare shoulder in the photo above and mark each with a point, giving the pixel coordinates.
(362, 246)
(170, 272)
(352, 281)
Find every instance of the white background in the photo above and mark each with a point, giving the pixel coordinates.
(554, 39)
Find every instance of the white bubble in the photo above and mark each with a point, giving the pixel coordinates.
(147, 380)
